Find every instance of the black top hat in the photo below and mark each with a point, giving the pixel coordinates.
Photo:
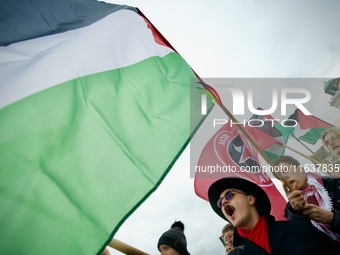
(262, 202)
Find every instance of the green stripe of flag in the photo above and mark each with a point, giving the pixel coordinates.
(67, 150)
(308, 128)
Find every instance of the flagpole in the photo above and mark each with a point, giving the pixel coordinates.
(298, 140)
(125, 248)
(248, 137)
(306, 156)
(301, 154)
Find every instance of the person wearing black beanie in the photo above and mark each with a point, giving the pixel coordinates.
(173, 241)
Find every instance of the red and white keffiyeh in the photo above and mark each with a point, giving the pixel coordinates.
(316, 194)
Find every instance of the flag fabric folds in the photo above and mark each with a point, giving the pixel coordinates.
(229, 154)
(35, 18)
(92, 119)
(307, 128)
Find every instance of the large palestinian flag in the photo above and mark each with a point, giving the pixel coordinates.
(94, 111)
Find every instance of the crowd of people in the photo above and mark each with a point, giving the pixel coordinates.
(312, 212)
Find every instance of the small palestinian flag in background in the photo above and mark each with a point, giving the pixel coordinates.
(309, 128)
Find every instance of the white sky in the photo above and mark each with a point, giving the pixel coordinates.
(230, 38)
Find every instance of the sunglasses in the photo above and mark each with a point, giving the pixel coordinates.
(228, 196)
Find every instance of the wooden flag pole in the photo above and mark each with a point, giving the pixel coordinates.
(125, 248)
(301, 154)
(253, 143)
(307, 157)
(321, 161)
(297, 139)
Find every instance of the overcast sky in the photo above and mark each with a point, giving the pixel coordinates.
(229, 38)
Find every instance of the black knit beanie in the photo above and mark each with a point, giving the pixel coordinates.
(175, 238)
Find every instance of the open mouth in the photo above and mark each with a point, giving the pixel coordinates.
(229, 210)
